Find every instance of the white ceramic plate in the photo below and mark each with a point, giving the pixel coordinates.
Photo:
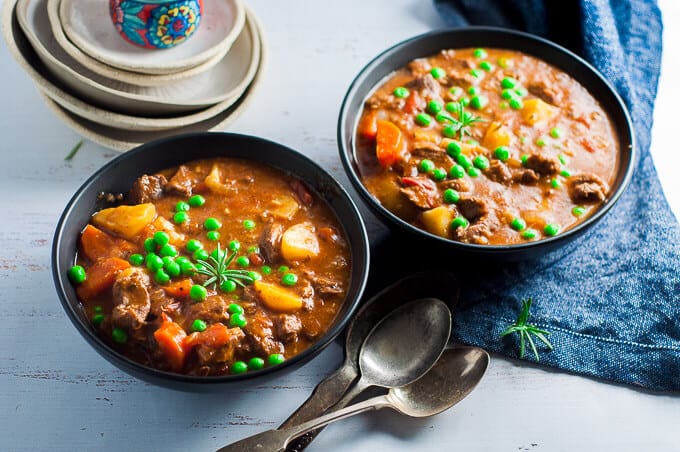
(226, 80)
(87, 24)
(23, 53)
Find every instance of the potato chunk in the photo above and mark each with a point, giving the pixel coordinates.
(535, 111)
(285, 207)
(126, 221)
(277, 298)
(299, 242)
(497, 135)
(437, 220)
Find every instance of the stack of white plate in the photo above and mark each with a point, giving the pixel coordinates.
(120, 95)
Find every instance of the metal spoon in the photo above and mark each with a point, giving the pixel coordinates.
(452, 378)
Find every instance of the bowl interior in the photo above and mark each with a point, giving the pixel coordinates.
(431, 43)
(119, 175)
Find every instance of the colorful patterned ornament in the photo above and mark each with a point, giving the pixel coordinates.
(156, 24)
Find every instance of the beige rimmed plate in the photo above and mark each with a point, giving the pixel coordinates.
(104, 70)
(226, 80)
(27, 59)
(86, 23)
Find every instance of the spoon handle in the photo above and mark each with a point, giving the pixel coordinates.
(277, 440)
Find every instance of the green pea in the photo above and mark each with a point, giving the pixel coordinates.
(173, 269)
(518, 224)
(167, 260)
(228, 285)
(423, 119)
(554, 183)
(200, 268)
(198, 292)
(119, 336)
(426, 165)
(507, 94)
(238, 320)
(565, 173)
(563, 159)
(136, 259)
(187, 268)
(481, 162)
(439, 174)
(196, 201)
(502, 153)
(234, 308)
(540, 142)
(451, 107)
(455, 92)
(451, 196)
(449, 130)
(551, 229)
(479, 53)
(161, 276)
(213, 236)
(485, 65)
(161, 238)
(529, 234)
(453, 149)
(239, 367)
(168, 250)
(524, 159)
(289, 279)
(77, 274)
(180, 217)
(234, 246)
(437, 72)
(456, 172)
(218, 254)
(256, 363)
(266, 269)
(473, 90)
(504, 63)
(194, 245)
(150, 245)
(98, 309)
(248, 225)
(516, 104)
(212, 224)
(473, 172)
(476, 73)
(275, 358)
(283, 268)
(255, 276)
(555, 132)
(503, 105)
(459, 222)
(521, 92)
(153, 262)
(182, 259)
(97, 319)
(578, 211)
(200, 255)
(479, 102)
(464, 161)
(465, 101)
(182, 206)
(508, 82)
(242, 261)
(401, 92)
(434, 107)
(198, 325)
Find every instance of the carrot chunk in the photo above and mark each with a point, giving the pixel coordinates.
(97, 244)
(216, 335)
(389, 143)
(170, 339)
(101, 276)
(179, 289)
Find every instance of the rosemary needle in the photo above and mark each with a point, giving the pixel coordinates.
(525, 331)
(74, 151)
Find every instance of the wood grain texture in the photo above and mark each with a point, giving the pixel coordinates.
(56, 393)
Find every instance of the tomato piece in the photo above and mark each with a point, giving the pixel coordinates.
(389, 143)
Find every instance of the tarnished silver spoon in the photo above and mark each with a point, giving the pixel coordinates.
(452, 378)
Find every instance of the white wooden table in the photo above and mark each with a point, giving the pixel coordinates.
(57, 393)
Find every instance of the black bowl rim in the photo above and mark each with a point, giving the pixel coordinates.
(156, 375)
(344, 148)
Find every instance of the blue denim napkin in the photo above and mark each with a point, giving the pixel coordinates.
(612, 300)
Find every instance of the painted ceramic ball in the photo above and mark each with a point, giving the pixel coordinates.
(156, 24)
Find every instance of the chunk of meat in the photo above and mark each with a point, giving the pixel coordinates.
(385, 101)
(473, 208)
(182, 182)
(428, 87)
(498, 172)
(212, 310)
(302, 192)
(431, 151)
(270, 242)
(456, 184)
(419, 66)
(161, 304)
(213, 356)
(324, 284)
(147, 188)
(259, 331)
(587, 188)
(475, 233)
(525, 176)
(420, 191)
(542, 164)
(288, 327)
(545, 92)
(131, 299)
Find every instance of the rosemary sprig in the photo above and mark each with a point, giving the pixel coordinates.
(464, 121)
(218, 271)
(525, 331)
(73, 151)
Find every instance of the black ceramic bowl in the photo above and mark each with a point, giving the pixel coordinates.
(431, 43)
(119, 175)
